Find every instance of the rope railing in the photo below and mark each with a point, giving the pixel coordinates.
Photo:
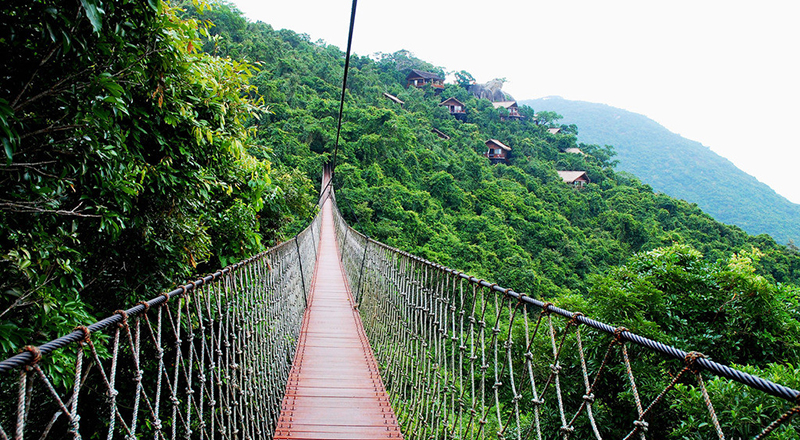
(465, 358)
(210, 359)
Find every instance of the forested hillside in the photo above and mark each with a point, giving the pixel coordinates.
(681, 168)
(132, 165)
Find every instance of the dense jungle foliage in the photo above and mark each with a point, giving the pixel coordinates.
(127, 162)
(141, 147)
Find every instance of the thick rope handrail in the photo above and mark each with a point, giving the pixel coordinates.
(26, 357)
(220, 347)
(756, 382)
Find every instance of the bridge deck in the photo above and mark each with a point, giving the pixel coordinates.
(334, 389)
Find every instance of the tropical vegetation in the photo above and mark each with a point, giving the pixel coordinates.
(144, 142)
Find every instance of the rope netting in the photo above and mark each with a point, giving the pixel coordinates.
(464, 358)
(209, 359)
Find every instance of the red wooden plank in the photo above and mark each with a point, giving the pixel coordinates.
(334, 389)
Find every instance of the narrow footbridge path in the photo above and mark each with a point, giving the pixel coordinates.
(334, 388)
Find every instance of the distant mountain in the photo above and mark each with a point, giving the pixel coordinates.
(680, 167)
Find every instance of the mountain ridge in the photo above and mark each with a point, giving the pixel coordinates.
(658, 157)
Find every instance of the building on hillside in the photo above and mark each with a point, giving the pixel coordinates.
(498, 151)
(393, 98)
(511, 106)
(576, 178)
(574, 150)
(419, 78)
(456, 107)
(554, 130)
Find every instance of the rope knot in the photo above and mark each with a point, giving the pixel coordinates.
(555, 368)
(546, 308)
(641, 424)
(567, 429)
(529, 356)
(574, 319)
(537, 402)
(113, 393)
(86, 333)
(166, 297)
(691, 359)
(589, 397)
(145, 304)
(37, 354)
(618, 334)
(124, 315)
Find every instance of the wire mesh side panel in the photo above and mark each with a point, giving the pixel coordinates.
(207, 360)
(462, 358)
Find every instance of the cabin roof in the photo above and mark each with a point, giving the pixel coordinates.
(422, 74)
(393, 98)
(504, 104)
(453, 101)
(572, 176)
(554, 130)
(574, 150)
(499, 144)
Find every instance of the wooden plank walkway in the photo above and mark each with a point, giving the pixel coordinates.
(334, 389)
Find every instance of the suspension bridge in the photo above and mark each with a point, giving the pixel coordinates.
(332, 335)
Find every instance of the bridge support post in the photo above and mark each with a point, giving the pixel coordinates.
(302, 277)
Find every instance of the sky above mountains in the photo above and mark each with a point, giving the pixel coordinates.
(724, 73)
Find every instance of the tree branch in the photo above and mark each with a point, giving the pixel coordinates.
(30, 207)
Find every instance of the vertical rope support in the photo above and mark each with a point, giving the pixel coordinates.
(640, 425)
(361, 271)
(555, 368)
(710, 407)
(302, 277)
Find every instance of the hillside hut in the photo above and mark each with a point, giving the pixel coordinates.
(456, 107)
(419, 78)
(554, 130)
(576, 178)
(511, 106)
(498, 151)
(574, 150)
(393, 98)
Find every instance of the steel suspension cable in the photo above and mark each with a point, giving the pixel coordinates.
(344, 89)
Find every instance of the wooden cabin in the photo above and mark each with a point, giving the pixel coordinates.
(498, 151)
(393, 98)
(419, 78)
(554, 130)
(511, 106)
(576, 178)
(456, 107)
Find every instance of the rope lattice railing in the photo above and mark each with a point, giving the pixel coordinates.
(209, 359)
(464, 358)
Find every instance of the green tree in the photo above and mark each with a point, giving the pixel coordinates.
(126, 162)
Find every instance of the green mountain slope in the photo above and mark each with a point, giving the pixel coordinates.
(681, 167)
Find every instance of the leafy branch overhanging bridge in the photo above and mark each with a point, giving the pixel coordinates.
(234, 355)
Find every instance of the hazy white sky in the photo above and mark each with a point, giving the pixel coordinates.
(724, 73)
